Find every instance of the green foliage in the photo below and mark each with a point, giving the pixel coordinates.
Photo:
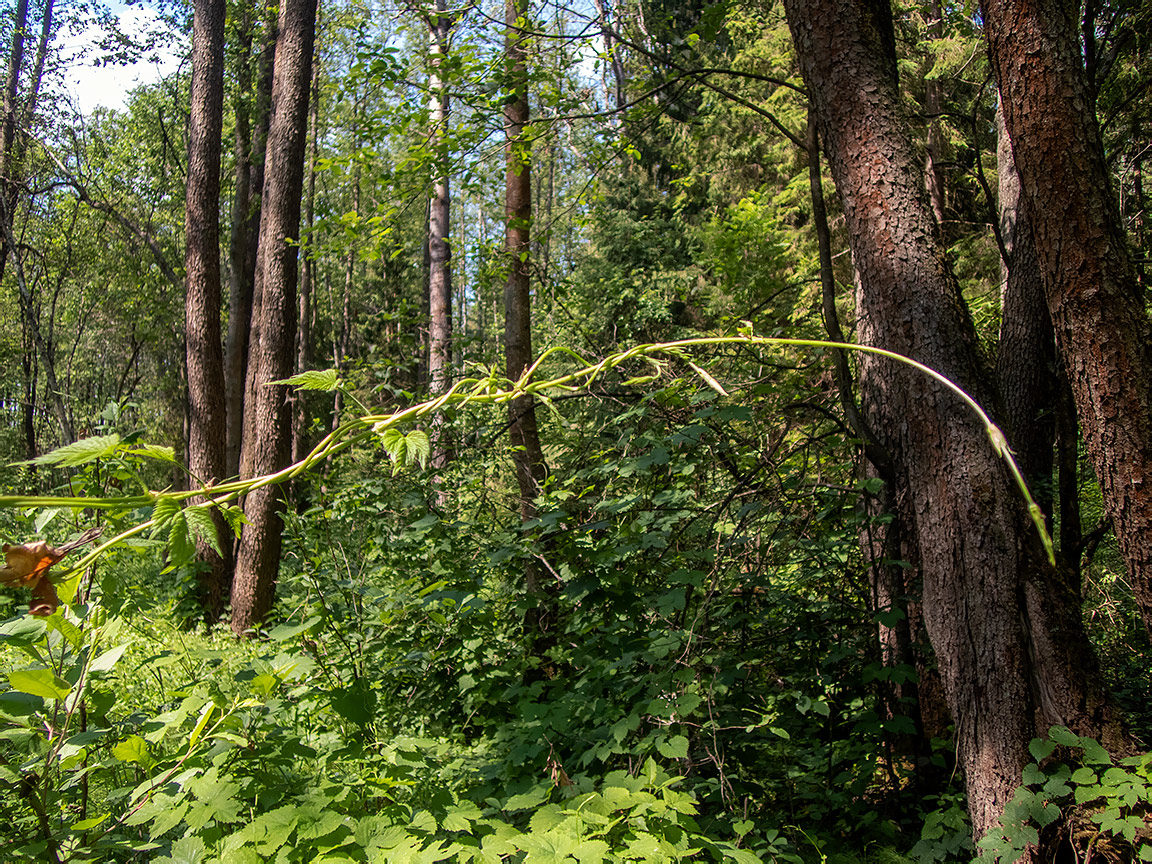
(1095, 803)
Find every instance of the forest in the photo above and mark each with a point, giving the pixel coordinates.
(556, 430)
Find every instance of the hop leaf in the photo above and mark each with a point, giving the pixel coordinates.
(79, 452)
(327, 380)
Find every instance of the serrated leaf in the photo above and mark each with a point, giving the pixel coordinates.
(133, 749)
(199, 520)
(163, 509)
(675, 747)
(326, 380)
(79, 452)
(419, 447)
(180, 548)
(154, 451)
(39, 682)
(186, 850)
(234, 516)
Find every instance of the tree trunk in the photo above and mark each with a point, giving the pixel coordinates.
(1009, 665)
(439, 226)
(523, 430)
(1097, 309)
(936, 144)
(1026, 356)
(204, 357)
(307, 275)
(252, 111)
(267, 416)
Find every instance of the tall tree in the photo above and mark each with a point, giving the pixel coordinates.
(439, 227)
(523, 429)
(307, 269)
(251, 108)
(1026, 352)
(1004, 624)
(19, 110)
(267, 445)
(1098, 310)
(204, 353)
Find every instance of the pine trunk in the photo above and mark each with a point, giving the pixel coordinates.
(1094, 297)
(523, 430)
(1008, 664)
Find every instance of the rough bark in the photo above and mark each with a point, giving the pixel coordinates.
(252, 117)
(1097, 310)
(523, 429)
(204, 353)
(1026, 355)
(439, 226)
(267, 443)
(1006, 670)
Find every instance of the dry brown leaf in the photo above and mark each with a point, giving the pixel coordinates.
(28, 565)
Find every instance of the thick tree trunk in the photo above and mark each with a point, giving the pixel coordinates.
(252, 111)
(439, 226)
(267, 415)
(204, 353)
(523, 430)
(1026, 356)
(1097, 309)
(979, 555)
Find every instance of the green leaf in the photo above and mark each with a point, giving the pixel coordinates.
(199, 520)
(673, 748)
(1084, 776)
(1064, 736)
(154, 451)
(106, 661)
(1040, 749)
(180, 548)
(87, 824)
(164, 508)
(186, 850)
(419, 447)
(79, 453)
(22, 632)
(1094, 754)
(312, 379)
(133, 749)
(288, 631)
(44, 517)
(39, 682)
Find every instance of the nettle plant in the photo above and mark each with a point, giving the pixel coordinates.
(257, 753)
